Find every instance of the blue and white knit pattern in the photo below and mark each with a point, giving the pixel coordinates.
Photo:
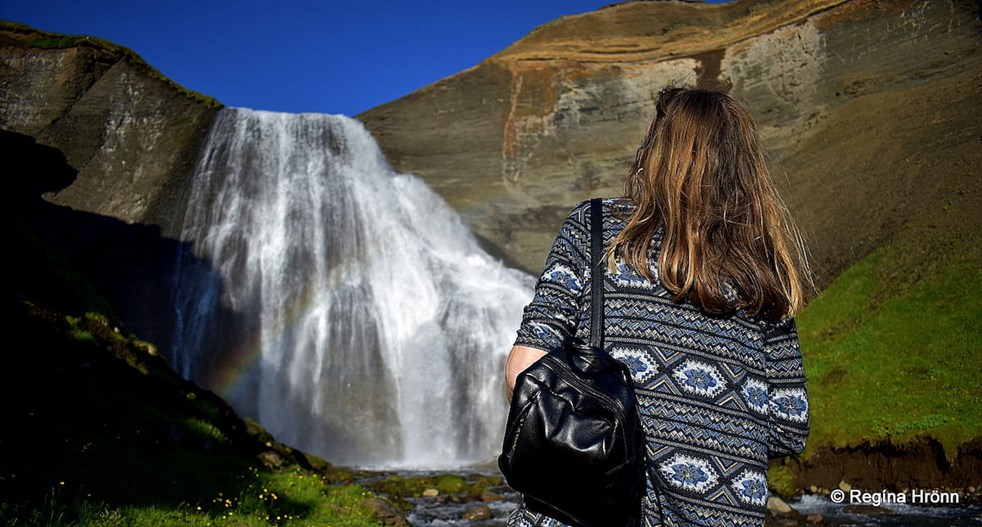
(718, 396)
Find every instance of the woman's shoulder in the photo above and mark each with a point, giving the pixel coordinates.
(611, 207)
(769, 328)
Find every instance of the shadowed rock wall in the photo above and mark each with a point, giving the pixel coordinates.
(122, 140)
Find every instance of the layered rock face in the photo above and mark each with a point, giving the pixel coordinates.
(131, 135)
(868, 109)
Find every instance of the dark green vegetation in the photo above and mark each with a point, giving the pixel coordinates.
(891, 346)
(100, 431)
(27, 36)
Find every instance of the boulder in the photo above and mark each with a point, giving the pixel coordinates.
(779, 507)
(481, 512)
(386, 513)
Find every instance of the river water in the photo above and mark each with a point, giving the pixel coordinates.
(894, 514)
(432, 512)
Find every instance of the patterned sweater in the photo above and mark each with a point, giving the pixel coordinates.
(718, 395)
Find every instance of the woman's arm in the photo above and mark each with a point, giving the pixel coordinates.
(788, 395)
(552, 317)
(520, 358)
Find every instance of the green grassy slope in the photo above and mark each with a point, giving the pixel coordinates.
(892, 346)
(99, 431)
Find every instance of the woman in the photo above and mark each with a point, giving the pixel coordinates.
(705, 274)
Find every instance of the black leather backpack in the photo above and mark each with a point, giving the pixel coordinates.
(573, 444)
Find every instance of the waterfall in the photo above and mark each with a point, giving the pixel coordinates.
(343, 306)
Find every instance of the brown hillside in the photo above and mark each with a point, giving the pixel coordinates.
(869, 109)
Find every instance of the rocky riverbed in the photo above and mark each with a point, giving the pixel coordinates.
(483, 500)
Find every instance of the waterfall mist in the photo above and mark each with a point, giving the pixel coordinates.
(345, 307)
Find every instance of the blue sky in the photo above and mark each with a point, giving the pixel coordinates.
(331, 56)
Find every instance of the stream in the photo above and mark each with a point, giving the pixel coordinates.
(893, 514)
(446, 510)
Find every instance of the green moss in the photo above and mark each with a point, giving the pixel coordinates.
(81, 334)
(51, 43)
(77, 331)
(399, 487)
(331, 473)
(206, 430)
(780, 479)
(451, 484)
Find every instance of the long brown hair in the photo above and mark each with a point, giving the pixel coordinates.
(728, 239)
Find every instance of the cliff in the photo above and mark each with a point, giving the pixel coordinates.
(110, 144)
(131, 134)
(868, 109)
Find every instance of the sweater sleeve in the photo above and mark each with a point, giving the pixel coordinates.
(551, 318)
(788, 422)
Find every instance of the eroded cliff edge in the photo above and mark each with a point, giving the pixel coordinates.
(868, 109)
(131, 134)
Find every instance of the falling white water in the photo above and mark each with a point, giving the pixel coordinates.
(343, 306)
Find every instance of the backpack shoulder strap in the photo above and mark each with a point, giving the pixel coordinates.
(597, 272)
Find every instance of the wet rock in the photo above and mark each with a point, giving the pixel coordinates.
(482, 512)
(814, 519)
(387, 513)
(488, 496)
(270, 459)
(779, 507)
